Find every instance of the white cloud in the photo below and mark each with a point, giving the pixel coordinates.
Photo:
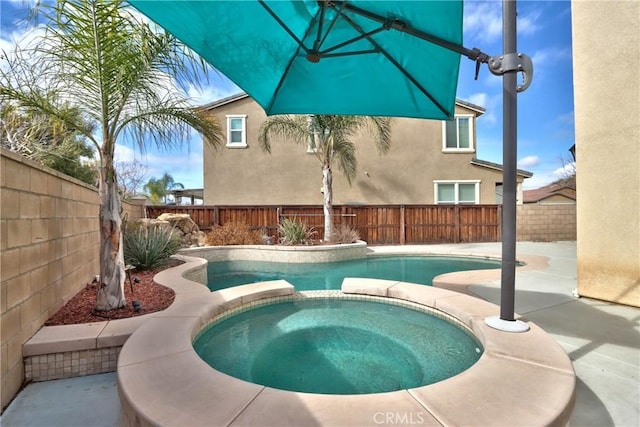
(478, 99)
(550, 55)
(543, 174)
(567, 118)
(211, 92)
(528, 162)
(538, 180)
(21, 37)
(566, 170)
(123, 153)
(482, 22)
(489, 102)
(183, 163)
(548, 59)
(527, 24)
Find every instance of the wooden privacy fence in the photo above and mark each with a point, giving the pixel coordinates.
(377, 225)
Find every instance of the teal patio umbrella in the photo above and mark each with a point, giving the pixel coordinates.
(377, 58)
(328, 57)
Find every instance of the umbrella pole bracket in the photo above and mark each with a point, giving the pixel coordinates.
(513, 62)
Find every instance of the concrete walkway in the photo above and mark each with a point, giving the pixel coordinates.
(602, 340)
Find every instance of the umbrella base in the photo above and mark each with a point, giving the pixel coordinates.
(506, 325)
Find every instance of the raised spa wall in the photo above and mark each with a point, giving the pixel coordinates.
(277, 253)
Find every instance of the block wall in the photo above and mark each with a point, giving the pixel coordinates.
(49, 242)
(546, 223)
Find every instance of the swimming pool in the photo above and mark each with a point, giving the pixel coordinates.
(329, 275)
(337, 346)
(158, 363)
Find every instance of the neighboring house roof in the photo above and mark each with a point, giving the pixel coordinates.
(242, 95)
(497, 166)
(224, 101)
(563, 188)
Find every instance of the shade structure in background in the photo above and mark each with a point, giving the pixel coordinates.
(356, 57)
(327, 57)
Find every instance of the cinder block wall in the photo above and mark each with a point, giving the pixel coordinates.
(49, 241)
(546, 223)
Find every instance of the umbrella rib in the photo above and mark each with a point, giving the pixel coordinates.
(353, 40)
(397, 65)
(355, 52)
(300, 46)
(316, 44)
(333, 22)
(282, 24)
(411, 78)
(402, 26)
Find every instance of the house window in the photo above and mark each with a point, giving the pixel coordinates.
(457, 134)
(237, 131)
(457, 192)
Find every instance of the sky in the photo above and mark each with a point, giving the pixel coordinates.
(545, 109)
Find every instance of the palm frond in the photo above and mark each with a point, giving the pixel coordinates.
(117, 70)
(381, 128)
(167, 125)
(345, 152)
(292, 128)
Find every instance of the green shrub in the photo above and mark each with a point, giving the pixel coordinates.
(345, 234)
(233, 233)
(294, 232)
(148, 248)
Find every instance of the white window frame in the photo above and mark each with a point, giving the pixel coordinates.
(243, 142)
(456, 190)
(457, 149)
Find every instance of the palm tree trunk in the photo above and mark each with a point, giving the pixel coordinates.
(327, 202)
(112, 274)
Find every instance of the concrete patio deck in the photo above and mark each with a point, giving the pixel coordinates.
(602, 340)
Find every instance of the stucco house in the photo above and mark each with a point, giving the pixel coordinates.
(430, 162)
(607, 88)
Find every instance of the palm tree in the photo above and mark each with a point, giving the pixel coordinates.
(157, 189)
(46, 140)
(103, 60)
(329, 138)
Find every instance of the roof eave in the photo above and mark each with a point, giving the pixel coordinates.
(496, 166)
(466, 104)
(228, 100)
(238, 96)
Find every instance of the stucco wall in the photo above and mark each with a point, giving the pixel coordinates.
(546, 222)
(606, 62)
(49, 245)
(290, 175)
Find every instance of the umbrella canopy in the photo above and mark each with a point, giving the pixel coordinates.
(376, 58)
(384, 58)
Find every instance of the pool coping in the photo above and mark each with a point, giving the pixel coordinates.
(524, 378)
(51, 340)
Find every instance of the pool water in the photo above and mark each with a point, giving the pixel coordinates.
(329, 275)
(337, 346)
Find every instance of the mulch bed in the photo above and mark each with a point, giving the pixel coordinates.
(81, 308)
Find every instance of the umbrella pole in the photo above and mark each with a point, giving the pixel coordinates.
(506, 321)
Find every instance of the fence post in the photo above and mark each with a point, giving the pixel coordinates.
(456, 226)
(216, 216)
(402, 226)
(499, 233)
(278, 213)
